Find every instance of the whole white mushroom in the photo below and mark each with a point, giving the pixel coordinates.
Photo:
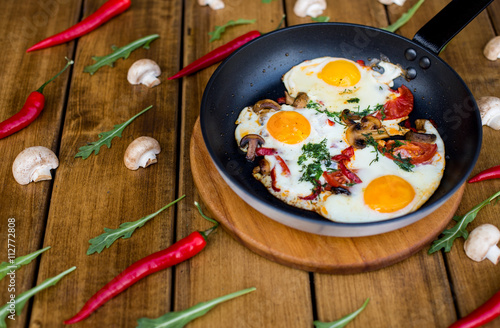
(489, 108)
(214, 4)
(34, 164)
(313, 8)
(482, 244)
(141, 153)
(144, 71)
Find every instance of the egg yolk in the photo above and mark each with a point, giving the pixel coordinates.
(340, 73)
(289, 127)
(388, 194)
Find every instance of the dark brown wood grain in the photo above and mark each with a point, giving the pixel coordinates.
(23, 24)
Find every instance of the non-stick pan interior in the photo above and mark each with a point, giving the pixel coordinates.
(254, 72)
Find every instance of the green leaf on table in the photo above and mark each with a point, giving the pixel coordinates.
(343, 321)
(181, 318)
(267, 1)
(118, 53)
(404, 18)
(216, 34)
(21, 299)
(106, 137)
(125, 231)
(6, 267)
(459, 229)
(321, 19)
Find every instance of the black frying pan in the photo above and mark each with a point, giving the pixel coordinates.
(254, 72)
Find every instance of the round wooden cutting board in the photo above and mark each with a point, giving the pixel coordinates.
(303, 250)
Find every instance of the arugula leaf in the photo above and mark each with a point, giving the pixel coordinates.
(459, 229)
(321, 19)
(404, 18)
(125, 231)
(118, 53)
(181, 318)
(267, 1)
(216, 34)
(22, 298)
(5, 267)
(106, 137)
(343, 321)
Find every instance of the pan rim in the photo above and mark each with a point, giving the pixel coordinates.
(327, 227)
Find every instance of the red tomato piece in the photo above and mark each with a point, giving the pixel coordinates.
(418, 152)
(330, 122)
(398, 107)
(262, 151)
(335, 178)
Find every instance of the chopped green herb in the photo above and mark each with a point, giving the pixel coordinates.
(317, 156)
(216, 34)
(321, 19)
(404, 163)
(368, 110)
(353, 100)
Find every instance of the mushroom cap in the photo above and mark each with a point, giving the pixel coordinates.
(313, 8)
(34, 164)
(389, 2)
(489, 108)
(144, 71)
(480, 240)
(214, 4)
(141, 153)
(492, 49)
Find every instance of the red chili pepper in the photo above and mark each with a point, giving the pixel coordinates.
(482, 315)
(108, 10)
(273, 180)
(216, 55)
(351, 175)
(182, 250)
(491, 173)
(262, 151)
(349, 152)
(32, 108)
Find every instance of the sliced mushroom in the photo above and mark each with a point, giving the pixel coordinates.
(265, 104)
(144, 71)
(34, 164)
(301, 100)
(420, 125)
(253, 141)
(263, 168)
(420, 137)
(489, 107)
(369, 126)
(492, 49)
(313, 8)
(348, 117)
(482, 244)
(289, 99)
(141, 153)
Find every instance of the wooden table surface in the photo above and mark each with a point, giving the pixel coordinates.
(87, 195)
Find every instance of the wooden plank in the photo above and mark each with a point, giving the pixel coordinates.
(473, 283)
(100, 192)
(391, 290)
(283, 296)
(23, 24)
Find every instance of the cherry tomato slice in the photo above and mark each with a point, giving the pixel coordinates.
(418, 152)
(335, 178)
(398, 107)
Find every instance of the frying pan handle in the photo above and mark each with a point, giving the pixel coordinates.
(448, 22)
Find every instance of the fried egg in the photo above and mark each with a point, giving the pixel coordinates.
(339, 83)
